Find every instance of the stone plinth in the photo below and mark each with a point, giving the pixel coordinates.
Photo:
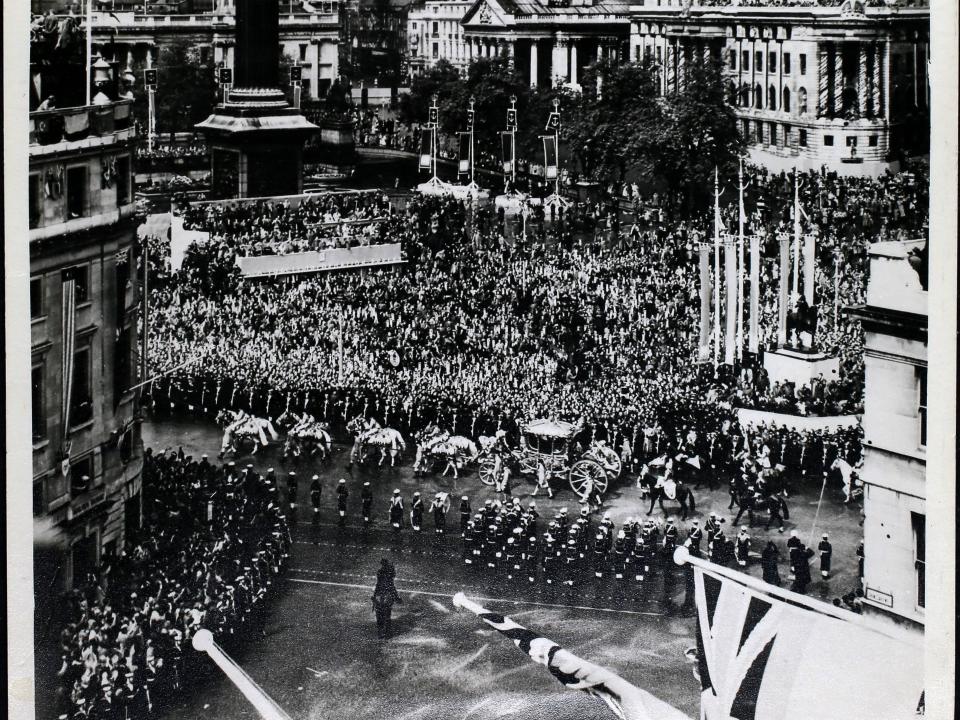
(786, 365)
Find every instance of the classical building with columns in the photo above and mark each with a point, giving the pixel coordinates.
(842, 84)
(309, 34)
(434, 33)
(550, 43)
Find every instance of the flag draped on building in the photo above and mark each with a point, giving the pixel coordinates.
(68, 349)
(626, 700)
(764, 652)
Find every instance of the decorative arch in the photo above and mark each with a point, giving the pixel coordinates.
(802, 101)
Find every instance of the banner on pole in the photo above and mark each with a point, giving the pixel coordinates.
(426, 151)
(730, 280)
(784, 299)
(463, 153)
(470, 118)
(507, 146)
(553, 122)
(68, 349)
(754, 343)
(809, 266)
(706, 291)
(550, 157)
(766, 654)
(512, 119)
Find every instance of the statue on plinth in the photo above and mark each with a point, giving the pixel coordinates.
(801, 324)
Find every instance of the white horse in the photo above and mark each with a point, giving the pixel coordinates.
(305, 435)
(852, 483)
(369, 433)
(243, 431)
(434, 443)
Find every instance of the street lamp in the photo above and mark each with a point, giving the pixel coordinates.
(102, 74)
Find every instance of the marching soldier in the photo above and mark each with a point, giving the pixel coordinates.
(491, 547)
(601, 546)
(469, 542)
(315, 491)
(416, 512)
(488, 512)
(550, 560)
(292, 488)
(718, 549)
(620, 557)
(670, 535)
(366, 502)
(396, 512)
(530, 556)
(742, 548)
(439, 516)
(695, 536)
(826, 552)
(793, 548)
(342, 494)
(571, 564)
(511, 557)
(465, 513)
(641, 557)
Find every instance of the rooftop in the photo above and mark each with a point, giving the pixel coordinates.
(898, 277)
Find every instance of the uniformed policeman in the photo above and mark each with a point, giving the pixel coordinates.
(439, 514)
(292, 488)
(366, 502)
(342, 494)
(742, 548)
(826, 552)
(396, 511)
(465, 513)
(416, 512)
(315, 491)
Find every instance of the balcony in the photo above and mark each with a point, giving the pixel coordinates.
(63, 128)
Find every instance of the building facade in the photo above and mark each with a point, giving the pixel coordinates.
(843, 84)
(309, 35)
(549, 43)
(434, 33)
(894, 320)
(84, 310)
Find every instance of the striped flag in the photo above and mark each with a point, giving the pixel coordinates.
(68, 349)
(627, 701)
(764, 652)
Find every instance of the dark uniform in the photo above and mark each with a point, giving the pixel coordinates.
(826, 552)
(315, 491)
(342, 494)
(465, 513)
(768, 561)
(439, 516)
(530, 557)
(366, 503)
(571, 564)
(670, 536)
(742, 549)
(396, 511)
(640, 562)
(550, 560)
(511, 557)
(292, 488)
(801, 569)
(695, 536)
(601, 546)
(416, 512)
(793, 547)
(620, 558)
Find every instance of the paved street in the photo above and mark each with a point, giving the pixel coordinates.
(321, 633)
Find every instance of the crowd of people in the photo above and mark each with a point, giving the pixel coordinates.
(163, 151)
(210, 554)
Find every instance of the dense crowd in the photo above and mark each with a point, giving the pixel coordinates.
(163, 151)
(209, 555)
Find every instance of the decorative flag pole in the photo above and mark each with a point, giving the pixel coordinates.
(795, 284)
(512, 128)
(716, 268)
(740, 264)
(625, 700)
(89, 21)
(470, 118)
(434, 123)
(265, 705)
(556, 145)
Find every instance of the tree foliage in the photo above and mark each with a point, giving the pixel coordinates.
(186, 89)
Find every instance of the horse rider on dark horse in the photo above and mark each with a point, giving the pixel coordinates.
(384, 596)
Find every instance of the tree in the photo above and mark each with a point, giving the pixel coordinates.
(414, 105)
(186, 90)
(699, 133)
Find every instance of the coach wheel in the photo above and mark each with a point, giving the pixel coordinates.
(246, 445)
(485, 470)
(584, 472)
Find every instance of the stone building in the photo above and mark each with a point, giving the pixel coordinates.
(84, 313)
(894, 320)
(838, 83)
(434, 33)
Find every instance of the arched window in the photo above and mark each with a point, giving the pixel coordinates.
(785, 100)
(732, 93)
(758, 97)
(744, 96)
(802, 101)
(771, 98)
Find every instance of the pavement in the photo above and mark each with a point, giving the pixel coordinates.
(320, 656)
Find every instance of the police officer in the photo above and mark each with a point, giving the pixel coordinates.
(366, 502)
(416, 512)
(439, 514)
(342, 494)
(396, 511)
(292, 488)
(315, 490)
(826, 552)
(742, 548)
(465, 513)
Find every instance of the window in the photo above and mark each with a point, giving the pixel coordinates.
(787, 136)
(122, 377)
(123, 180)
(758, 61)
(873, 141)
(919, 523)
(81, 475)
(773, 133)
(803, 63)
(745, 61)
(303, 52)
(80, 274)
(771, 62)
(802, 137)
(436, 50)
(413, 26)
(922, 405)
(802, 101)
(81, 402)
(39, 417)
(785, 100)
(436, 29)
(828, 140)
(76, 191)
(733, 59)
(786, 63)
(36, 298)
(745, 130)
(36, 200)
(851, 141)
(771, 98)
(758, 97)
